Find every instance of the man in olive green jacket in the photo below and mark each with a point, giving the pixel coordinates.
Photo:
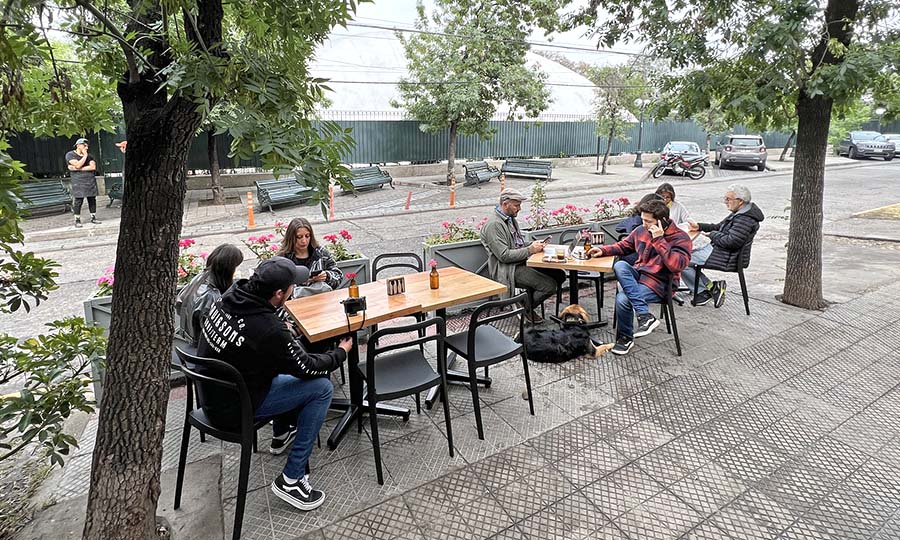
(507, 253)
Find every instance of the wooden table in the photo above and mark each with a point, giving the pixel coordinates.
(573, 266)
(322, 316)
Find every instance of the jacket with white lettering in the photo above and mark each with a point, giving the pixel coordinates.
(245, 331)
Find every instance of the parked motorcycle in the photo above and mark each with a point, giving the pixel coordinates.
(693, 166)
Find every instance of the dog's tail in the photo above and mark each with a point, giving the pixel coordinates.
(600, 349)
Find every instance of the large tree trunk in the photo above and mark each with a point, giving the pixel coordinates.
(128, 449)
(803, 274)
(451, 149)
(609, 141)
(787, 145)
(215, 177)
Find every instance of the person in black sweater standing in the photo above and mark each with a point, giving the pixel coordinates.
(82, 168)
(248, 329)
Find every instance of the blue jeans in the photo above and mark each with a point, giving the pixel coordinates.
(633, 298)
(687, 275)
(300, 402)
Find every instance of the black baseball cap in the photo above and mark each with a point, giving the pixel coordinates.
(279, 272)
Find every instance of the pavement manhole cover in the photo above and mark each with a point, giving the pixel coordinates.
(231, 199)
(885, 212)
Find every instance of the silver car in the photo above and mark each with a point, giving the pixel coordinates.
(894, 138)
(746, 150)
(859, 144)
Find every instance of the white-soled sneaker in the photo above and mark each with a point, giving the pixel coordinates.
(300, 494)
(282, 442)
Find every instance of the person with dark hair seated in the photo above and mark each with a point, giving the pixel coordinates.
(633, 221)
(248, 329)
(198, 296)
(663, 251)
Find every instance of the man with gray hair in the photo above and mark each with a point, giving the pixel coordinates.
(726, 240)
(508, 252)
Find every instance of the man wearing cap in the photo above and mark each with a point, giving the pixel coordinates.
(82, 167)
(285, 381)
(507, 253)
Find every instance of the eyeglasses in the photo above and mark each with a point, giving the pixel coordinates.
(731, 199)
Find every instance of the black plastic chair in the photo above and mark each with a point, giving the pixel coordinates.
(216, 373)
(743, 261)
(482, 345)
(598, 278)
(403, 373)
(667, 313)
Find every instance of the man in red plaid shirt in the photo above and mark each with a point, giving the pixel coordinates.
(663, 250)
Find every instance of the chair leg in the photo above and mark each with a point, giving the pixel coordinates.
(376, 445)
(241, 501)
(255, 443)
(558, 299)
(696, 282)
(446, 403)
(343, 376)
(598, 290)
(418, 403)
(602, 286)
(202, 437)
(528, 384)
(671, 307)
(476, 404)
(744, 291)
(665, 315)
(182, 461)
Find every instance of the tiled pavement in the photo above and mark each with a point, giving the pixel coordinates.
(777, 425)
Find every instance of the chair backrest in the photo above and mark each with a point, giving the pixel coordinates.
(397, 260)
(374, 348)
(209, 374)
(743, 260)
(498, 310)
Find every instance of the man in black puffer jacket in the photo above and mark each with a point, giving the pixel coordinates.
(726, 240)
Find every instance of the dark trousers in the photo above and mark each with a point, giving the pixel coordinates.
(92, 205)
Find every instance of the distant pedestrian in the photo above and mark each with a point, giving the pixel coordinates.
(82, 167)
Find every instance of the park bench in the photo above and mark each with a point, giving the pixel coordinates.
(282, 191)
(43, 196)
(531, 168)
(479, 172)
(369, 177)
(115, 188)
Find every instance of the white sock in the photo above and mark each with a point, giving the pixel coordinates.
(289, 480)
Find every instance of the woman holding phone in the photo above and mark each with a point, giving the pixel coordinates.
(301, 247)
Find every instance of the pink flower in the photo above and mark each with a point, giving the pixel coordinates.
(432, 263)
(345, 234)
(186, 243)
(330, 238)
(252, 239)
(279, 224)
(351, 275)
(204, 255)
(445, 224)
(273, 248)
(109, 269)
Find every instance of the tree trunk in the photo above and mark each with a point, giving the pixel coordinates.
(609, 141)
(803, 273)
(451, 149)
(708, 143)
(787, 145)
(215, 177)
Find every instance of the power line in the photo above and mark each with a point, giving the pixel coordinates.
(441, 83)
(515, 41)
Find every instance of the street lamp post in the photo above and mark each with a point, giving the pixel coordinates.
(880, 112)
(640, 104)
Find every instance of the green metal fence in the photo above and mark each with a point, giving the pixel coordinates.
(385, 138)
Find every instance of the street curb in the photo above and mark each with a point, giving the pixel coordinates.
(550, 190)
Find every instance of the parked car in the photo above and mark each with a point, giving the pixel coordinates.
(859, 144)
(894, 138)
(747, 150)
(680, 148)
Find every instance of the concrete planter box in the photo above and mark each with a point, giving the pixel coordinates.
(98, 312)
(556, 232)
(469, 255)
(362, 267)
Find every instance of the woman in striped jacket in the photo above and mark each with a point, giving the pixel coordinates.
(301, 247)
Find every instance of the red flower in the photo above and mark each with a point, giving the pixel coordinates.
(330, 238)
(345, 234)
(432, 263)
(351, 275)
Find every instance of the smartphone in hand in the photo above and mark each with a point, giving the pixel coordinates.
(315, 273)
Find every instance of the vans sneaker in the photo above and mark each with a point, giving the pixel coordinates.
(299, 494)
(646, 324)
(623, 346)
(282, 442)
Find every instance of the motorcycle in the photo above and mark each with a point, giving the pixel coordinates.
(693, 166)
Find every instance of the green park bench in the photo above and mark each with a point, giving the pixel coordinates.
(115, 188)
(531, 168)
(44, 196)
(479, 172)
(273, 192)
(369, 177)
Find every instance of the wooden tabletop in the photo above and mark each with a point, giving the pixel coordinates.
(322, 316)
(597, 264)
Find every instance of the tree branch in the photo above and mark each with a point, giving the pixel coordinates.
(129, 50)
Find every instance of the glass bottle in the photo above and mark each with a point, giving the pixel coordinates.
(587, 244)
(354, 289)
(434, 278)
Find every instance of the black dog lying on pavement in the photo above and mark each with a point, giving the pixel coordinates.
(565, 343)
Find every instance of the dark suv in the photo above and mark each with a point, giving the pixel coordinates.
(747, 150)
(859, 144)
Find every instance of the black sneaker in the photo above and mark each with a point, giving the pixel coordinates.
(702, 298)
(95, 221)
(646, 324)
(77, 223)
(718, 293)
(299, 494)
(282, 442)
(623, 346)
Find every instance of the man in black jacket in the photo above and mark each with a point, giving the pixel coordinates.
(726, 240)
(247, 329)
